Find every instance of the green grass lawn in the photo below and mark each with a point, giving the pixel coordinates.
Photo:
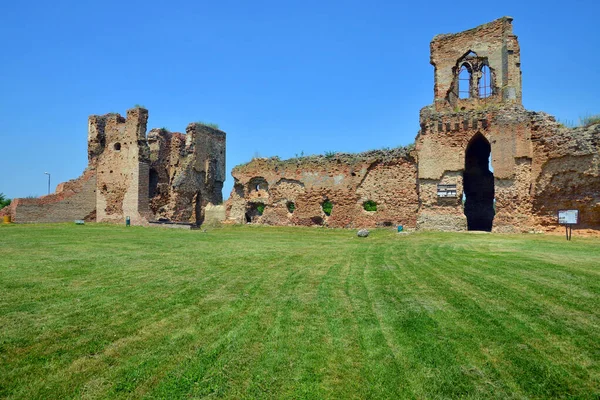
(101, 311)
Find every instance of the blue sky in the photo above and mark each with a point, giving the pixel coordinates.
(280, 77)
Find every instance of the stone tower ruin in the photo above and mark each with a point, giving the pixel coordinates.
(168, 175)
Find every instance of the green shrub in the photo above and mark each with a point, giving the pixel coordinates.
(260, 207)
(370, 205)
(329, 154)
(291, 206)
(209, 124)
(4, 201)
(138, 106)
(327, 207)
(589, 119)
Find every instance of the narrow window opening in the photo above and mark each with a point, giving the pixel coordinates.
(327, 207)
(485, 83)
(117, 146)
(198, 209)
(153, 186)
(464, 83)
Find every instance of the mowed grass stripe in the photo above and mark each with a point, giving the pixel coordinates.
(520, 311)
(426, 326)
(259, 312)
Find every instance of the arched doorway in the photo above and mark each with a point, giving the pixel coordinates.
(478, 182)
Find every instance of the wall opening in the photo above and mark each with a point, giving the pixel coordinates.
(464, 82)
(370, 205)
(290, 206)
(478, 182)
(153, 185)
(258, 183)
(253, 211)
(117, 146)
(327, 207)
(485, 83)
(198, 209)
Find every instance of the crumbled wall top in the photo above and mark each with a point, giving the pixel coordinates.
(384, 155)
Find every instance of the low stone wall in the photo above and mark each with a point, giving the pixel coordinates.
(73, 200)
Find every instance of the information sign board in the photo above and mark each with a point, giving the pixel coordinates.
(446, 190)
(568, 217)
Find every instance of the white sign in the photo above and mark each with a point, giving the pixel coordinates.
(446, 190)
(568, 217)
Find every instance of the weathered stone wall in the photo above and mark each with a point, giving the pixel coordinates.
(122, 156)
(187, 172)
(386, 177)
(129, 175)
(72, 200)
(441, 146)
(493, 45)
(566, 173)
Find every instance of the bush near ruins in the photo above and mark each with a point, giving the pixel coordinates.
(370, 205)
(209, 124)
(260, 207)
(589, 119)
(291, 206)
(4, 201)
(327, 207)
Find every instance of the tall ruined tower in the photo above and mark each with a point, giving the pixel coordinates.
(117, 147)
(474, 146)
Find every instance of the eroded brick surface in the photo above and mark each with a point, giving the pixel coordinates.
(387, 178)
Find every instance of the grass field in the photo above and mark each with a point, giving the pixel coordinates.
(100, 311)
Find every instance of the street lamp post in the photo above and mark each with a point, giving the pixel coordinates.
(48, 173)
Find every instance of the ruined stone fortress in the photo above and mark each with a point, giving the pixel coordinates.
(480, 162)
(161, 176)
(538, 165)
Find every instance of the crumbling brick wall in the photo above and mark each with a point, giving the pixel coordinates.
(72, 200)
(128, 175)
(187, 172)
(566, 172)
(387, 178)
(118, 146)
(493, 45)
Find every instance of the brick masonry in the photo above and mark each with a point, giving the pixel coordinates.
(537, 165)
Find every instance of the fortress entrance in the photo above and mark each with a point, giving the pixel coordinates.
(478, 182)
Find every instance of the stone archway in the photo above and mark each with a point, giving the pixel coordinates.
(478, 182)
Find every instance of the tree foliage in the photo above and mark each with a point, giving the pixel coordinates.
(4, 201)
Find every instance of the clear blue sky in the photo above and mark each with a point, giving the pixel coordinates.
(280, 77)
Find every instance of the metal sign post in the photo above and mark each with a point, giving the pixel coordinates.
(568, 218)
